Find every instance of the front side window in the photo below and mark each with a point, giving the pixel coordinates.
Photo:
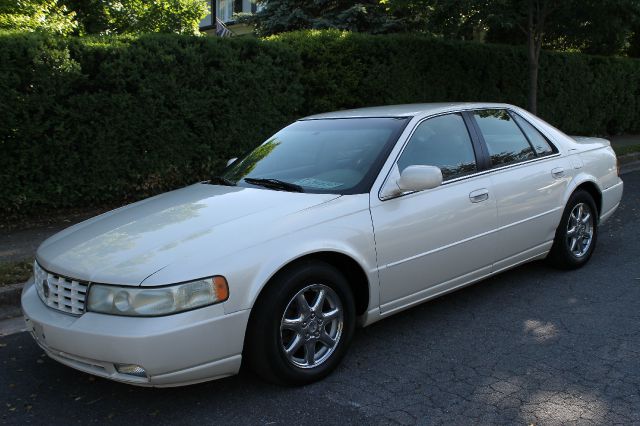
(504, 140)
(326, 155)
(444, 142)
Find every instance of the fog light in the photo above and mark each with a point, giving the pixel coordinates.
(131, 370)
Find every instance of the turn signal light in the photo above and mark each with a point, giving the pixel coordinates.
(220, 288)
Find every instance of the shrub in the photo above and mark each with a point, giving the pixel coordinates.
(95, 121)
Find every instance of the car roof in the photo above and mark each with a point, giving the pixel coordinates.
(406, 110)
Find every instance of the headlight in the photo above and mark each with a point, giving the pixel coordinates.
(153, 301)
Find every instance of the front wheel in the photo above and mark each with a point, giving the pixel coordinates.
(301, 326)
(577, 232)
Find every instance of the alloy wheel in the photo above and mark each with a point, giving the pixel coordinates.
(311, 326)
(580, 230)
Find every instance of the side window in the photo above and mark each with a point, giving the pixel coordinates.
(441, 141)
(539, 142)
(505, 141)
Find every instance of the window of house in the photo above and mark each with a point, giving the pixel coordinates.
(444, 142)
(224, 10)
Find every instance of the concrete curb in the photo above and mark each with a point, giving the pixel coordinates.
(629, 162)
(629, 158)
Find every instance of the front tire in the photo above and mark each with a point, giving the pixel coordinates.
(577, 232)
(301, 325)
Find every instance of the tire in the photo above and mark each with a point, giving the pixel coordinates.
(280, 321)
(565, 253)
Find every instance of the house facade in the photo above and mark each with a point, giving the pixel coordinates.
(223, 11)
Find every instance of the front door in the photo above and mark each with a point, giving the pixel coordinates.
(432, 241)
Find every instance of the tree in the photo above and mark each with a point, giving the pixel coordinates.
(36, 15)
(91, 16)
(634, 43)
(473, 19)
(163, 16)
(600, 27)
(103, 16)
(538, 14)
(288, 15)
(591, 26)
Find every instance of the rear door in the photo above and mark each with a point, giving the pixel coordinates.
(431, 241)
(529, 178)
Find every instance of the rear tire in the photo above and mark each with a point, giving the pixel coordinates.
(301, 325)
(577, 232)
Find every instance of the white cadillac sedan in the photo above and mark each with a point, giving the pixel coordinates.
(339, 219)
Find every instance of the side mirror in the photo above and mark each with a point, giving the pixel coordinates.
(419, 178)
(231, 161)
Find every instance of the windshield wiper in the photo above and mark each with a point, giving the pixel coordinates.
(275, 184)
(221, 181)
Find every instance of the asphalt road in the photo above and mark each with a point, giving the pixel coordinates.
(532, 345)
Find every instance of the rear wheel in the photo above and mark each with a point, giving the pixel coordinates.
(576, 235)
(301, 325)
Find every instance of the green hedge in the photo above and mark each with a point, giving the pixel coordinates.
(86, 122)
(580, 94)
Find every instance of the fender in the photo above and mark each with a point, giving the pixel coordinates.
(350, 235)
(579, 179)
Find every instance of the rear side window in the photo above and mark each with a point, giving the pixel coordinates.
(444, 142)
(539, 142)
(506, 143)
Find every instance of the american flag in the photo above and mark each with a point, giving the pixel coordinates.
(222, 30)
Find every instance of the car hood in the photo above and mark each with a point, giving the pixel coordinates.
(128, 244)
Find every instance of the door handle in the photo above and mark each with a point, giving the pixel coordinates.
(557, 173)
(479, 195)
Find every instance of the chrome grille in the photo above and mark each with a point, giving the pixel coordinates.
(61, 293)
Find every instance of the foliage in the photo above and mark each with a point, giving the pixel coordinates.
(563, 24)
(634, 43)
(158, 16)
(36, 15)
(90, 14)
(15, 272)
(88, 121)
(601, 27)
(591, 26)
(94, 121)
(82, 17)
(279, 16)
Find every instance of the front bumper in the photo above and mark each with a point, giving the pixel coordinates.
(190, 347)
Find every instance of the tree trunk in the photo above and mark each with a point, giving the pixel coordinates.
(532, 99)
(533, 55)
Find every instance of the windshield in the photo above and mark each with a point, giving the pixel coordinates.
(328, 155)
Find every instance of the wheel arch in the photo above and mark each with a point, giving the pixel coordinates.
(588, 183)
(353, 271)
